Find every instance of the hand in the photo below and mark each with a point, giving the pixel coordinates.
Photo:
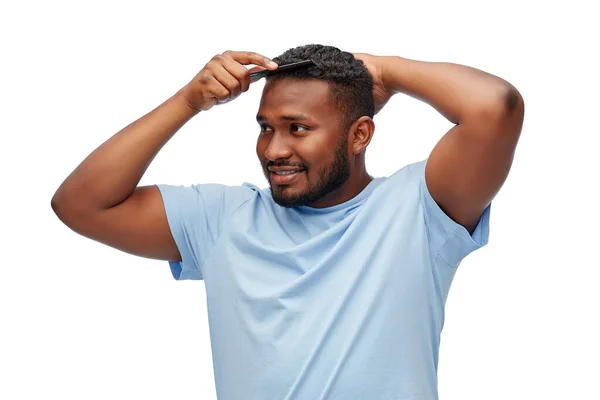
(223, 79)
(381, 94)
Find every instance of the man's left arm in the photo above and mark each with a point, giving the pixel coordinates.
(471, 161)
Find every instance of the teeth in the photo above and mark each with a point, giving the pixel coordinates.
(286, 172)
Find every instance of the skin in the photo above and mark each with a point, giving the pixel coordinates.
(101, 198)
(301, 127)
(471, 162)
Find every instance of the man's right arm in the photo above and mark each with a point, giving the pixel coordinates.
(100, 199)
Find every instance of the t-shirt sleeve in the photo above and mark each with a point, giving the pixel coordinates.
(197, 214)
(448, 239)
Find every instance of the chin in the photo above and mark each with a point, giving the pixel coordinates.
(290, 198)
(288, 201)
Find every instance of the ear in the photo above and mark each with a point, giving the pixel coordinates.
(361, 133)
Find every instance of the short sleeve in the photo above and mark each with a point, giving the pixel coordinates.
(197, 215)
(448, 239)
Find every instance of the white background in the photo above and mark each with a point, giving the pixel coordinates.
(79, 320)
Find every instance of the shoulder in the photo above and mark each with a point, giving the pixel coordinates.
(208, 190)
(209, 198)
(405, 181)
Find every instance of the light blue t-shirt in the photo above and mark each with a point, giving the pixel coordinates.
(345, 302)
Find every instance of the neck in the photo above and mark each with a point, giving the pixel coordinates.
(349, 190)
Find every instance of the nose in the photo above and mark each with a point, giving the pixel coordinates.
(277, 148)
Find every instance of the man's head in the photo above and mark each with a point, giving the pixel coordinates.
(319, 120)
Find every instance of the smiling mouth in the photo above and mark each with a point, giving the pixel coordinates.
(285, 177)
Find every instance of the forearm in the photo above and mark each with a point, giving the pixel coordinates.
(456, 91)
(112, 171)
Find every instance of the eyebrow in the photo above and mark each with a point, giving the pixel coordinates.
(297, 117)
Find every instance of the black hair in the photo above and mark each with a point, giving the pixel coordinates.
(351, 85)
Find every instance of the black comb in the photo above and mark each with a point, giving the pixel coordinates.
(254, 76)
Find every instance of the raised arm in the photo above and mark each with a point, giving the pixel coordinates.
(100, 199)
(471, 161)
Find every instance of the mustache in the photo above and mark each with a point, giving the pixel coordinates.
(282, 164)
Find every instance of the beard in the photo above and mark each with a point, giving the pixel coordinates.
(331, 178)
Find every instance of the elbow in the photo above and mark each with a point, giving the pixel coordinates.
(503, 102)
(58, 207)
(513, 112)
(64, 208)
(513, 102)
(509, 103)
(70, 215)
(54, 203)
(500, 119)
(506, 108)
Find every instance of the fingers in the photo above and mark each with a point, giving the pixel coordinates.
(229, 70)
(224, 78)
(248, 57)
(233, 61)
(231, 78)
(232, 75)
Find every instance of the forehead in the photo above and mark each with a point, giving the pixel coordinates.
(284, 96)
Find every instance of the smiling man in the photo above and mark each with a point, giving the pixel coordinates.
(329, 284)
(316, 139)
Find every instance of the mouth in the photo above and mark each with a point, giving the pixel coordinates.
(285, 177)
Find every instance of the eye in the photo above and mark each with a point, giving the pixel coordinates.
(298, 128)
(265, 128)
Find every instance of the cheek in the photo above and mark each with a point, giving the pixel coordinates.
(317, 151)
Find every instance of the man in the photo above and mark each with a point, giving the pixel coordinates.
(330, 284)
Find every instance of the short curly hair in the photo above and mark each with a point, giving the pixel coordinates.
(351, 85)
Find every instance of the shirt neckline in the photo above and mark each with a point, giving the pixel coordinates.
(349, 203)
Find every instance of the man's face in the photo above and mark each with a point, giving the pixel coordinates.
(302, 130)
